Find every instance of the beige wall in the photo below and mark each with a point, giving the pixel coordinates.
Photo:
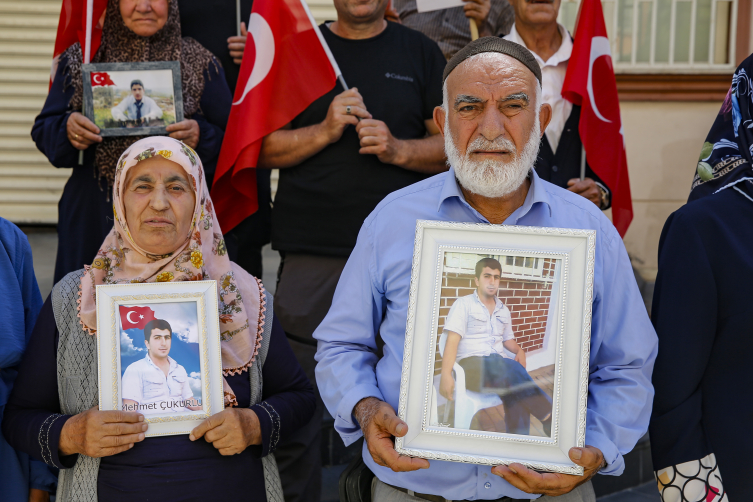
(663, 143)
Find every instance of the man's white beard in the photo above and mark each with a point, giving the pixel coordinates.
(493, 178)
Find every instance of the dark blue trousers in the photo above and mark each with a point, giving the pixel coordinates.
(520, 395)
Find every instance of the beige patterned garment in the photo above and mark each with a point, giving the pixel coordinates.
(202, 256)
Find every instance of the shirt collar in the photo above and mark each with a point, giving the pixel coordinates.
(562, 54)
(497, 302)
(536, 194)
(149, 361)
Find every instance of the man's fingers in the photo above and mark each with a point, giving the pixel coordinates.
(588, 457)
(356, 111)
(205, 426)
(391, 423)
(244, 31)
(401, 463)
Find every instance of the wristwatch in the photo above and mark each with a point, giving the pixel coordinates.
(604, 195)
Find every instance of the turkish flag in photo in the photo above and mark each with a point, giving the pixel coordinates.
(135, 317)
(101, 78)
(590, 83)
(286, 67)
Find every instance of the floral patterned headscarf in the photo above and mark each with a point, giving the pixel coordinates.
(725, 158)
(203, 256)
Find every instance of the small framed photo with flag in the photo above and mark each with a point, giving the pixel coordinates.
(158, 348)
(133, 99)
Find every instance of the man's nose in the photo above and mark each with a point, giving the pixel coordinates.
(492, 124)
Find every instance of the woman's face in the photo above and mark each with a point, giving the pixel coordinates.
(159, 202)
(144, 17)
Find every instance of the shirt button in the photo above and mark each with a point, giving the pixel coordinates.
(555, 168)
(487, 485)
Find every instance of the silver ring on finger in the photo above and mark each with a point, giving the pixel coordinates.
(347, 109)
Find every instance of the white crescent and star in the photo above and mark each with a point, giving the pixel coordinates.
(264, 41)
(128, 316)
(98, 78)
(599, 47)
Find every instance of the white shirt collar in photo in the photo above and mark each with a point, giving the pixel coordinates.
(553, 73)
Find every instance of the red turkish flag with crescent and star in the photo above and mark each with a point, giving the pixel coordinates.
(72, 28)
(590, 83)
(286, 67)
(135, 317)
(101, 79)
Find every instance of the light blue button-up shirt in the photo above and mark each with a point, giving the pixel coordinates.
(372, 297)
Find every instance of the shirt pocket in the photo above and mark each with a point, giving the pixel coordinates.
(152, 387)
(478, 324)
(176, 385)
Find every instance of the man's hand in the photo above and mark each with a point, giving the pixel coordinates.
(186, 130)
(552, 484)
(447, 386)
(97, 433)
(478, 10)
(376, 139)
(379, 424)
(521, 357)
(338, 117)
(586, 188)
(81, 131)
(230, 431)
(237, 44)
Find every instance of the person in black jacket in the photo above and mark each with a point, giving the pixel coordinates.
(559, 162)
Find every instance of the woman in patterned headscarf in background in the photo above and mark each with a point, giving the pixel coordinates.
(702, 313)
(165, 230)
(133, 31)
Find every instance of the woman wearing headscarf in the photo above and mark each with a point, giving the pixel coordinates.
(702, 313)
(165, 230)
(133, 31)
(21, 478)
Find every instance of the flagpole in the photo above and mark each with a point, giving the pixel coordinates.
(87, 55)
(582, 162)
(238, 16)
(474, 29)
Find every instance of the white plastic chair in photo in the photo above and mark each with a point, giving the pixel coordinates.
(467, 402)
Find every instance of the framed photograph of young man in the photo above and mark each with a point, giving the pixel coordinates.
(497, 345)
(158, 346)
(133, 99)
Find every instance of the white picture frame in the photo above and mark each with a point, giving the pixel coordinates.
(568, 329)
(184, 301)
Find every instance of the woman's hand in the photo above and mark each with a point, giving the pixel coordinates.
(237, 44)
(230, 431)
(101, 433)
(447, 386)
(82, 132)
(186, 130)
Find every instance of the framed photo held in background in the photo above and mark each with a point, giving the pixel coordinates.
(495, 368)
(158, 349)
(133, 99)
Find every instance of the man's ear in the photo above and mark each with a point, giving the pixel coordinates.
(545, 116)
(475, 279)
(439, 119)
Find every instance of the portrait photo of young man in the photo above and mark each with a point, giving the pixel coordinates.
(480, 338)
(137, 107)
(157, 383)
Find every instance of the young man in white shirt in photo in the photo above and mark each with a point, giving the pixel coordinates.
(156, 383)
(479, 329)
(138, 106)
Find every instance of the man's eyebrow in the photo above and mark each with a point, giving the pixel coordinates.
(515, 97)
(465, 98)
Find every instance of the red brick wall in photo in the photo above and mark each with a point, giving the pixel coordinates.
(527, 298)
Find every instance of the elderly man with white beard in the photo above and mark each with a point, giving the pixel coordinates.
(492, 120)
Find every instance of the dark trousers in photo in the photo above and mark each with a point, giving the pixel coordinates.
(520, 395)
